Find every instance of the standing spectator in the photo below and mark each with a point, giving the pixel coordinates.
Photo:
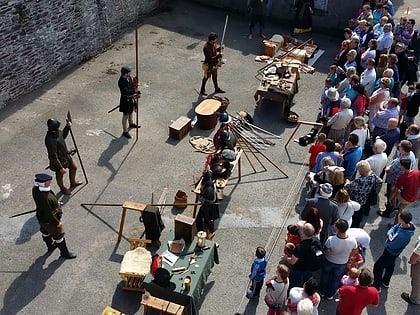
(407, 33)
(327, 209)
(316, 148)
(405, 190)
(361, 101)
(311, 216)
(413, 104)
(303, 17)
(400, 27)
(59, 156)
(386, 111)
(333, 75)
(360, 188)
(306, 258)
(331, 103)
(48, 214)
(378, 28)
(339, 121)
(258, 10)
(393, 171)
(397, 239)
(346, 207)
(361, 130)
(413, 135)
(276, 292)
(330, 145)
(258, 272)
(377, 13)
(414, 261)
(344, 83)
(297, 294)
(378, 96)
(378, 160)
(369, 35)
(353, 299)
(392, 64)
(362, 238)
(351, 155)
(368, 76)
(381, 66)
(384, 40)
(391, 136)
(366, 14)
(386, 12)
(402, 64)
(351, 277)
(337, 250)
(369, 52)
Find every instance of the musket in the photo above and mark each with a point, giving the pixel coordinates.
(223, 39)
(75, 147)
(22, 213)
(137, 77)
(111, 110)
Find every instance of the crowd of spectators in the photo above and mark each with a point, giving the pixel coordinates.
(368, 105)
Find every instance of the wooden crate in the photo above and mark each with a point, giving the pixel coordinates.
(180, 127)
(185, 228)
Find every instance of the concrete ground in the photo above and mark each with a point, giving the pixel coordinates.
(254, 211)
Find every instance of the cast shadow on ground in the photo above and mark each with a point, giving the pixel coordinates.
(126, 301)
(28, 285)
(29, 228)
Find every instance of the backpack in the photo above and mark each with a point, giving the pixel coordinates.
(317, 255)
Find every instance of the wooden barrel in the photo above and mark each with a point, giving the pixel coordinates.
(206, 113)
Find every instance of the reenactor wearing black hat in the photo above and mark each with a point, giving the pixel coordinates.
(59, 156)
(48, 214)
(129, 93)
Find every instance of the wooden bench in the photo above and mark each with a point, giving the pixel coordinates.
(220, 182)
(132, 280)
(163, 306)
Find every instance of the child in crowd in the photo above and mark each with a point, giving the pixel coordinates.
(292, 234)
(333, 75)
(315, 148)
(324, 99)
(351, 278)
(276, 292)
(257, 274)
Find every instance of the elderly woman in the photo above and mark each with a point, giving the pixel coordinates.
(378, 96)
(343, 85)
(360, 189)
(346, 206)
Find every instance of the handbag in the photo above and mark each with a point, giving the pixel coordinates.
(373, 195)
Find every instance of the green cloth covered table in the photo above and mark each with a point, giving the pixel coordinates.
(198, 271)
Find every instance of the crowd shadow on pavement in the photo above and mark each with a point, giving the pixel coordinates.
(26, 287)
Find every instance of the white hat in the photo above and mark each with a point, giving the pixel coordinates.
(325, 190)
(332, 94)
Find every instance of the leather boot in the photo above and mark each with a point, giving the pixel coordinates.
(64, 250)
(72, 175)
(203, 87)
(60, 182)
(216, 86)
(51, 245)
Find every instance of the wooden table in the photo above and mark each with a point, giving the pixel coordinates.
(284, 95)
(205, 260)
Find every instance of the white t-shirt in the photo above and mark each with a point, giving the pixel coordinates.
(340, 249)
(362, 134)
(377, 162)
(360, 235)
(346, 210)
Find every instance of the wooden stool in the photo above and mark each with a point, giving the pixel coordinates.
(111, 311)
(133, 280)
(128, 205)
(163, 306)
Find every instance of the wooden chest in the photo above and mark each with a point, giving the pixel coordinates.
(185, 228)
(180, 127)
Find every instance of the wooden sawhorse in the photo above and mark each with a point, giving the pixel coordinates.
(128, 205)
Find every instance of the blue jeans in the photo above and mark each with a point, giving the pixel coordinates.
(298, 277)
(330, 277)
(385, 262)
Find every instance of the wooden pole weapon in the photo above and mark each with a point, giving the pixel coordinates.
(75, 146)
(137, 76)
(153, 204)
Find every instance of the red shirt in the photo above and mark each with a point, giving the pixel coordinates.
(409, 184)
(353, 299)
(314, 150)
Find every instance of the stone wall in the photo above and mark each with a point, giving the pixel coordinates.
(40, 38)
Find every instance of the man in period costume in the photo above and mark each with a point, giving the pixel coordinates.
(48, 214)
(212, 56)
(128, 100)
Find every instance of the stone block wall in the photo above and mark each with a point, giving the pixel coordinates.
(40, 38)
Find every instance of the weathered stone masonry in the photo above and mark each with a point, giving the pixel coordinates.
(40, 38)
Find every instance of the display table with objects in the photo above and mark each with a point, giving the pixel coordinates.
(193, 262)
(279, 89)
